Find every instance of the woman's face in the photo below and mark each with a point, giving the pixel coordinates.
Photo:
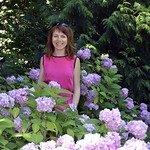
(59, 40)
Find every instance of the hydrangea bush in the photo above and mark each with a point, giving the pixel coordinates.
(106, 118)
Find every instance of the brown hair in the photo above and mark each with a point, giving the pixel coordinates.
(70, 48)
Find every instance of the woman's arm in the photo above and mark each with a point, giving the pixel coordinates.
(76, 94)
(41, 75)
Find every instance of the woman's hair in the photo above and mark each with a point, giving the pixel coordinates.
(64, 28)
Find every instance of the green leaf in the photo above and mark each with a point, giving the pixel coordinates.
(70, 132)
(6, 123)
(103, 94)
(52, 117)
(92, 121)
(37, 138)
(35, 127)
(68, 123)
(15, 112)
(3, 141)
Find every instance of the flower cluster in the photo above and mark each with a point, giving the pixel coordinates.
(89, 127)
(124, 92)
(45, 104)
(137, 128)
(134, 144)
(34, 74)
(84, 54)
(112, 119)
(91, 79)
(20, 95)
(145, 114)
(54, 84)
(6, 101)
(108, 63)
(11, 79)
(17, 123)
(130, 103)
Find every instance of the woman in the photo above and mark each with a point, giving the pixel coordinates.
(59, 63)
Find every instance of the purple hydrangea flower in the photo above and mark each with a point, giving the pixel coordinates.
(20, 79)
(73, 107)
(30, 146)
(91, 96)
(91, 105)
(20, 95)
(89, 127)
(17, 122)
(84, 54)
(84, 89)
(112, 140)
(84, 73)
(124, 92)
(143, 106)
(137, 128)
(107, 62)
(91, 79)
(5, 112)
(26, 110)
(54, 84)
(112, 119)
(130, 103)
(11, 79)
(84, 118)
(6, 101)
(45, 104)
(34, 74)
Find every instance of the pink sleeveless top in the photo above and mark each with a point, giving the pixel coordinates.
(61, 70)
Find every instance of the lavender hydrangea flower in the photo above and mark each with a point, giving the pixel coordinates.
(89, 127)
(112, 119)
(91, 96)
(6, 101)
(66, 141)
(45, 104)
(143, 106)
(113, 140)
(84, 89)
(137, 128)
(91, 79)
(54, 84)
(20, 95)
(91, 105)
(107, 62)
(5, 112)
(26, 110)
(11, 79)
(129, 102)
(30, 146)
(17, 122)
(34, 74)
(124, 92)
(73, 107)
(20, 79)
(83, 73)
(134, 144)
(84, 54)
(49, 145)
(84, 118)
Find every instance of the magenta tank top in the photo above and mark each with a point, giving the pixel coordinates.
(61, 70)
